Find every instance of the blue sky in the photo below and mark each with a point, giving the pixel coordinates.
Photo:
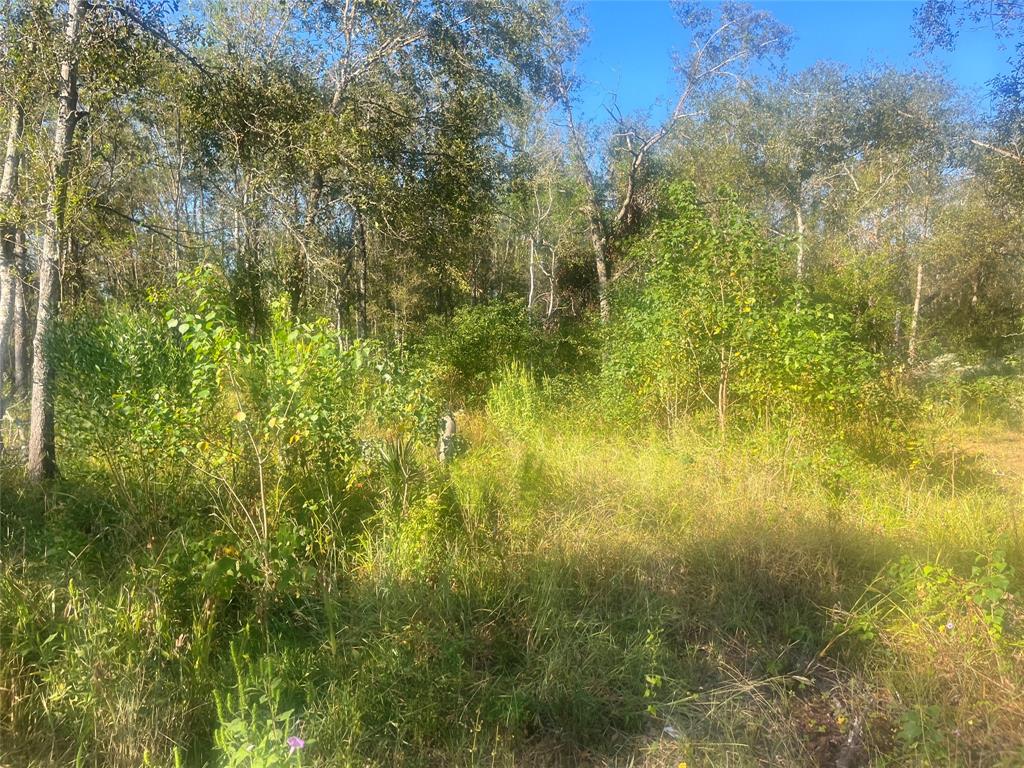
(629, 53)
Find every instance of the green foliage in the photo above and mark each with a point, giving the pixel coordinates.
(514, 401)
(946, 600)
(252, 540)
(558, 587)
(934, 631)
(979, 398)
(861, 289)
(254, 729)
(716, 321)
(466, 353)
(176, 383)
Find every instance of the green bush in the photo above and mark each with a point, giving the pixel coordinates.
(466, 353)
(716, 323)
(999, 397)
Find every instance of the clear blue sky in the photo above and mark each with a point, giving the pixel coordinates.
(629, 53)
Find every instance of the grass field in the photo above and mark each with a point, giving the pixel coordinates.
(557, 596)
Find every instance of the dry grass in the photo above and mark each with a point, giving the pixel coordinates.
(561, 596)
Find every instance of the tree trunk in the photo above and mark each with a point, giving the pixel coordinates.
(553, 284)
(8, 190)
(799, 242)
(20, 316)
(253, 282)
(533, 259)
(179, 205)
(42, 459)
(361, 325)
(296, 279)
(248, 279)
(599, 241)
(914, 318)
(598, 230)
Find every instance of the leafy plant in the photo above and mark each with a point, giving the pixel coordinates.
(255, 731)
(716, 322)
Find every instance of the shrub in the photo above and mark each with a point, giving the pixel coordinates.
(176, 400)
(466, 353)
(947, 646)
(717, 323)
(998, 397)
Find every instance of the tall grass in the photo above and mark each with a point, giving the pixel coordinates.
(257, 560)
(558, 595)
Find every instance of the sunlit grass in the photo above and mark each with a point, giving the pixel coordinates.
(562, 594)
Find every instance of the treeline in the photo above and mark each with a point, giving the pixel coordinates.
(383, 164)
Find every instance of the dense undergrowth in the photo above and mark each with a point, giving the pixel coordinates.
(254, 558)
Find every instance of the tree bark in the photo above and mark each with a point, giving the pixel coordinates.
(533, 259)
(248, 278)
(20, 316)
(8, 191)
(595, 219)
(912, 338)
(799, 242)
(297, 273)
(553, 283)
(600, 244)
(42, 458)
(361, 325)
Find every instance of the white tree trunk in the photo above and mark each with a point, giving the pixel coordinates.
(20, 316)
(553, 283)
(533, 261)
(8, 190)
(799, 242)
(914, 318)
(600, 244)
(42, 460)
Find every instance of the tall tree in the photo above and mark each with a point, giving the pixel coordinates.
(8, 234)
(725, 39)
(117, 34)
(41, 448)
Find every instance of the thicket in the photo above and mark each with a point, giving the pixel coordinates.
(737, 479)
(718, 320)
(254, 546)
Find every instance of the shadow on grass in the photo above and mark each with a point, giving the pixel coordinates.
(440, 649)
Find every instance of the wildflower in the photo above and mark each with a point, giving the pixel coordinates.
(949, 625)
(295, 744)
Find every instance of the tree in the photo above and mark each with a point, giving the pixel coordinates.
(936, 25)
(726, 38)
(8, 234)
(904, 134)
(801, 142)
(42, 452)
(414, 91)
(116, 32)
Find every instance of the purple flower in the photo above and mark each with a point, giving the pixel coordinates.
(949, 625)
(295, 744)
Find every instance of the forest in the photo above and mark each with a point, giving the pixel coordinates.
(369, 399)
